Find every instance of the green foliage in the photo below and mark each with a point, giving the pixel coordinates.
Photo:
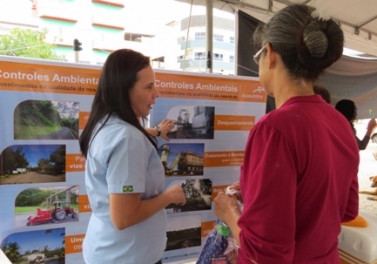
(12, 159)
(32, 132)
(71, 123)
(58, 159)
(37, 197)
(35, 118)
(32, 197)
(37, 113)
(27, 43)
(12, 251)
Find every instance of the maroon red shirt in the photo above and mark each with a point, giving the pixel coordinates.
(298, 182)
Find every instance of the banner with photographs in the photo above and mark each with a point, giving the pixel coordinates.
(44, 107)
(213, 115)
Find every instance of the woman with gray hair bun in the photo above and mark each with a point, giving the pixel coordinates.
(299, 175)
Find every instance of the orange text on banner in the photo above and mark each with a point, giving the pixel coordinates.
(230, 122)
(29, 77)
(74, 162)
(223, 158)
(83, 119)
(211, 88)
(84, 206)
(73, 244)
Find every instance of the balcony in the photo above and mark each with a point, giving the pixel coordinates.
(117, 3)
(57, 10)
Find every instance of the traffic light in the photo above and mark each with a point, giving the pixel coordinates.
(77, 45)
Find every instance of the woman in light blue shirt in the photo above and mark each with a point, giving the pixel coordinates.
(124, 175)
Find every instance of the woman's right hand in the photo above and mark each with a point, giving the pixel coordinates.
(236, 186)
(166, 126)
(176, 194)
(371, 125)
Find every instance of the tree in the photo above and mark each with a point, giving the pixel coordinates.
(27, 43)
(12, 251)
(13, 159)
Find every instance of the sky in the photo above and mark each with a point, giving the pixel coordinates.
(27, 240)
(33, 153)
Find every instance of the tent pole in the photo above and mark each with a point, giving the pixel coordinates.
(209, 26)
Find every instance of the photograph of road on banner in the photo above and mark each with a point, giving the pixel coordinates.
(45, 119)
(22, 164)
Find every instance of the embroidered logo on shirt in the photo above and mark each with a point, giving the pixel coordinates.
(128, 188)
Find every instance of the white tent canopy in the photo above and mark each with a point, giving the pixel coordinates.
(348, 78)
(358, 19)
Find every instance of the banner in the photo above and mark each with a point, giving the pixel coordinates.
(246, 48)
(44, 107)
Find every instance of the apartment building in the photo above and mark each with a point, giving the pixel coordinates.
(178, 42)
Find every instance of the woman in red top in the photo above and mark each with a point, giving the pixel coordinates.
(299, 176)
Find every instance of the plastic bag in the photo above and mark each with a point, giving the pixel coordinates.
(219, 247)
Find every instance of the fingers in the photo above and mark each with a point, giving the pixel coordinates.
(167, 122)
(166, 126)
(177, 195)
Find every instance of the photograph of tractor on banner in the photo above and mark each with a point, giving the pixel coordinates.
(36, 206)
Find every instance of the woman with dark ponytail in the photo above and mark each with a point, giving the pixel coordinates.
(124, 176)
(299, 175)
(349, 110)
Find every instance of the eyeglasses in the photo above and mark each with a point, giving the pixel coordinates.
(258, 55)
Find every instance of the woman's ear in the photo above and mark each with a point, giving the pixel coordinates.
(271, 56)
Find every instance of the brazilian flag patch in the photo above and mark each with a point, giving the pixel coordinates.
(128, 188)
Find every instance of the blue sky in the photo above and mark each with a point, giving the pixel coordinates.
(33, 153)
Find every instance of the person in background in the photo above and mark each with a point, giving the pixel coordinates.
(323, 92)
(124, 176)
(349, 110)
(299, 175)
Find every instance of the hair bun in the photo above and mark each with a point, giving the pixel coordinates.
(315, 40)
(321, 44)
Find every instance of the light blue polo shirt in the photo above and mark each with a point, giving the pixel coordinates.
(122, 160)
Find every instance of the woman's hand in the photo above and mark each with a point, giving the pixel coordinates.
(371, 125)
(236, 187)
(176, 194)
(226, 207)
(166, 126)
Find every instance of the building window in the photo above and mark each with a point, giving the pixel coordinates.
(218, 37)
(180, 58)
(200, 35)
(231, 58)
(217, 56)
(134, 37)
(231, 39)
(200, 56)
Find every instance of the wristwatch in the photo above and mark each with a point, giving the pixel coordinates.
(158, 131)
